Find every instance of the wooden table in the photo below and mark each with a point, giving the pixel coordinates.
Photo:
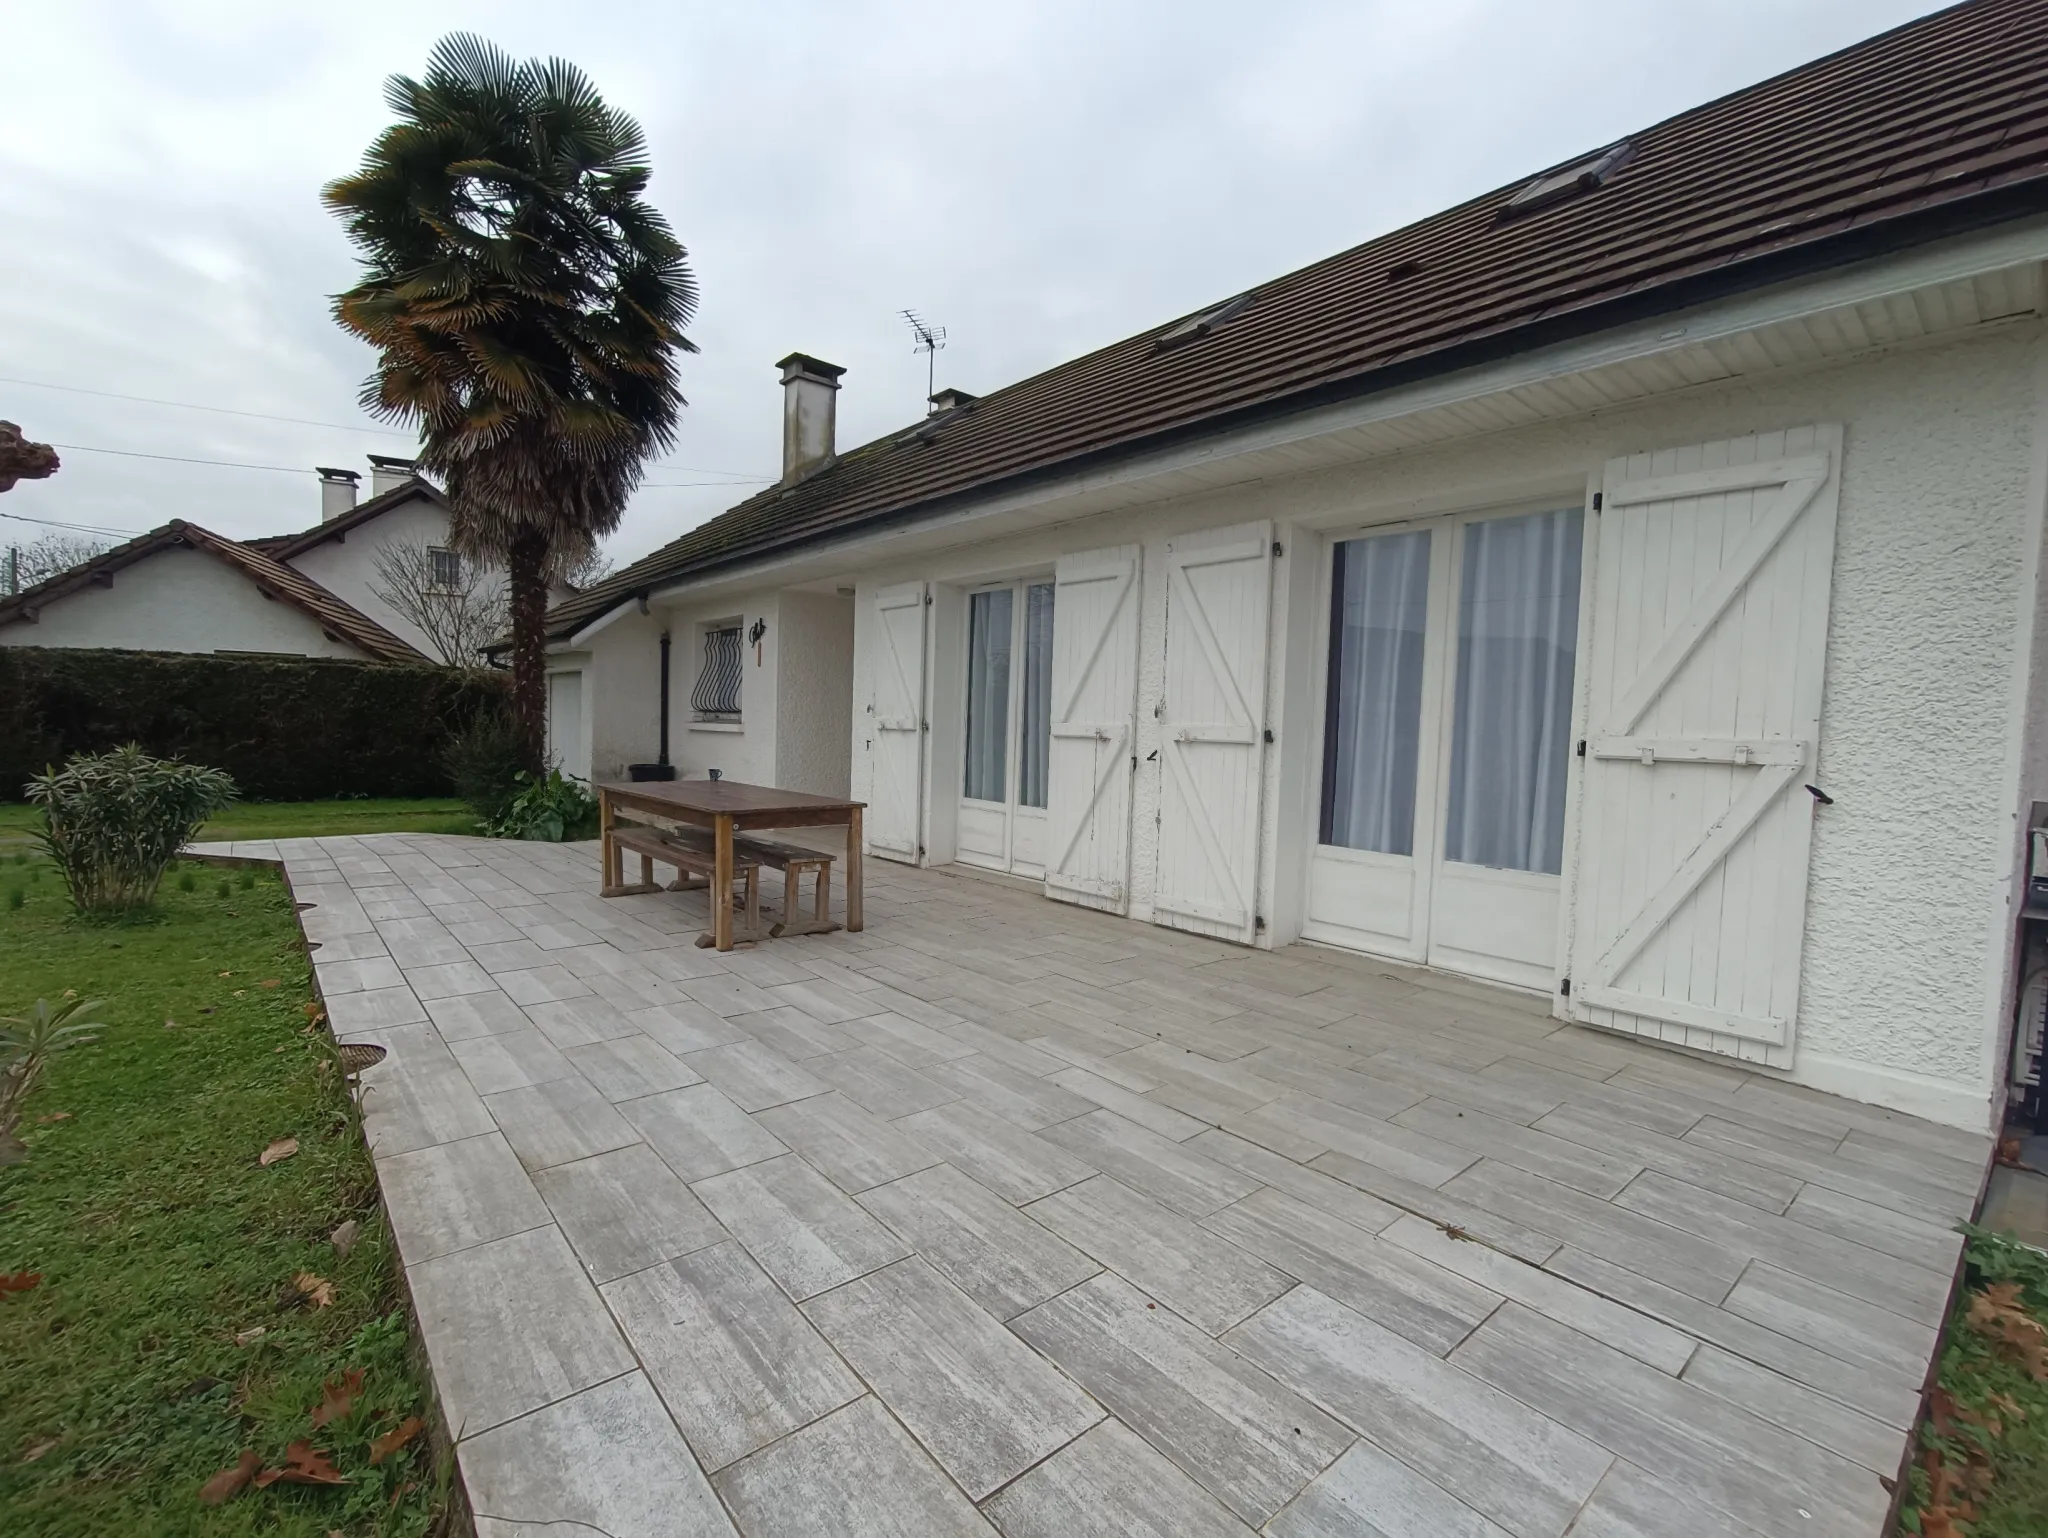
(727, 807)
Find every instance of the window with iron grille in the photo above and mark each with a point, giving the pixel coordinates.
(717, 695)
(445, 569)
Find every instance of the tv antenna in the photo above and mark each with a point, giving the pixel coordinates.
(930, 339)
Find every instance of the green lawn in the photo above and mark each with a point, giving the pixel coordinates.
(301, 819)
(160, 1239)
(1981, 1459)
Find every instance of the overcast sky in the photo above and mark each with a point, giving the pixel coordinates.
(1039, 176)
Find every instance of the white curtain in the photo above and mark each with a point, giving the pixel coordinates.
(1518, 620)
(1035, 727)
(988, 693)
(1378, 604)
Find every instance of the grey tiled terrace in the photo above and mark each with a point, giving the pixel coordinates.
(1003, 1216)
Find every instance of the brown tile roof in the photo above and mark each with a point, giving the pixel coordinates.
(272, 576)
(1935, 126)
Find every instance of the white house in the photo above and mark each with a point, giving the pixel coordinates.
(1624, 587)
(183, 588)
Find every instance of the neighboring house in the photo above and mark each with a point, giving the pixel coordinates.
(182, 588)
(1623, 587)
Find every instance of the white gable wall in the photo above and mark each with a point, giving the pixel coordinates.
(178, 600)
(347, 564)
(1929, 664)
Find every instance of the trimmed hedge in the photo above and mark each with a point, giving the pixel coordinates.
(286, 728)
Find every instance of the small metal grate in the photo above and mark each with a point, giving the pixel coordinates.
(357, 1055)
(717, 695)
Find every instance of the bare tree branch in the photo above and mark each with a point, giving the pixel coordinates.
(457, 603)
(592, 569)
(23, 566)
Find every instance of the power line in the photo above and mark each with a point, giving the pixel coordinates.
(264, 416)
(82, 528)
(246, 464)
(226, 411)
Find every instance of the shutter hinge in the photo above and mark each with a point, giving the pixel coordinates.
(1596, 501)
(920, 851)
(1582, 747)
(1259, 922)
(1269, 734)
(928, 600)
(1277, 550)
(1134, 763)
(1565, 987)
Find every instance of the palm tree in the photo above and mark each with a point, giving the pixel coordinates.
(526, 303)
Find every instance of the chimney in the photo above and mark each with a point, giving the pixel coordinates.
(808, 388)
(950, 400)
(388, 473)
(337, 493)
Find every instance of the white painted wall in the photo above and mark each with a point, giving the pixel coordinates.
(347, 564)
(178, 600)
(1904, 955)
(814, 692)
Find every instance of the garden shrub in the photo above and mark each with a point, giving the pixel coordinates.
(286, 728)
(549, 810)
(114, 822)
(485, 757)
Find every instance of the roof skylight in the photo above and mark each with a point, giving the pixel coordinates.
(1570, 179)
(1207, 321)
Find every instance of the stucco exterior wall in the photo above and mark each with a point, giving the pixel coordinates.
(1912, 865)
(347, 566)
(623, 694)
(178, 600)
(814, 692)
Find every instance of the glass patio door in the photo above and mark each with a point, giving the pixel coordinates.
(1008, 727)
(1446, 745)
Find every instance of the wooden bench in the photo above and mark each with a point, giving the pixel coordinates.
(690, 860)
(795, 862)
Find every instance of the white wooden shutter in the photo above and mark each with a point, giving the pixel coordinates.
(1709, 622)
(896, 710)
(1212, 730)
(1094, 705)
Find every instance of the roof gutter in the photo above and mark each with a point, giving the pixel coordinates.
(1921, 227)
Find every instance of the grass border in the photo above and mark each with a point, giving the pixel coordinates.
(456, 1518)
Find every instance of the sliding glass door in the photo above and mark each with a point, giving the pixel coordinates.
(1008, 726)
(1446, 742)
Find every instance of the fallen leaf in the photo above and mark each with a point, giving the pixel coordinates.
(38, 1450)
(241, 992)
(338, 1397)
(395, 1438)
(316, 1012)
(229, 1483)
(316, 1290)
(2008, 1150)
(268, 982)
(20, 1281)
(344, 1238)
(1998, 1314)
(53, 1116)
(169, 1023)
(283, 1148)
(1453, 1231)
(251, 1336)
(223, 974)
(304, 1464)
